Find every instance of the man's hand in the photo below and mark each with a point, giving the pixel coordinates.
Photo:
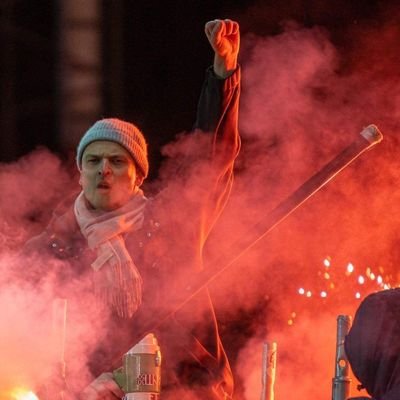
(103, 387)
(224, 38)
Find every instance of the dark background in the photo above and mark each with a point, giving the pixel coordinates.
(154, 54)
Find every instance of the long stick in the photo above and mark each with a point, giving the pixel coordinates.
(368, 138)
(59, 332)
(56, 384)
(268, 371)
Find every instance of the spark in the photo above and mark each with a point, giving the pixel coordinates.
(331, 285)
(350, 268)
(291, 320)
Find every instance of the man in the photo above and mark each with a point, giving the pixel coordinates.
(131, 253)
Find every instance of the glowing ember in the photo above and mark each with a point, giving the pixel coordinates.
(23, 394)
(330, 286)
(291, 320)
(350, 268)
(327, 262)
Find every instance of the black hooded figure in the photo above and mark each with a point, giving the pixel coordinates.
(373, 345)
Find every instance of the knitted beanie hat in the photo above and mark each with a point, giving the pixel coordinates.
(121, 132)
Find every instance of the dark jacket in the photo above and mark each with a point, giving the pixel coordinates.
(373, 344)
(168, 253)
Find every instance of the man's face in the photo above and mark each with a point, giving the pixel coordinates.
(108, 175)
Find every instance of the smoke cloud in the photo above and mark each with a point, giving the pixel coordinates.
(303, 102)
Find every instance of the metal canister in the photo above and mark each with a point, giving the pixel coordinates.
(140, 375)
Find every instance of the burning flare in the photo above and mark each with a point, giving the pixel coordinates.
(23, 394)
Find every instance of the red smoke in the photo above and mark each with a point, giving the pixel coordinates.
(303, 102)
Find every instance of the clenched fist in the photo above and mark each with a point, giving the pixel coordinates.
(224, 37)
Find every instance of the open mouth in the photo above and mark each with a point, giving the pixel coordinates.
(103, 185)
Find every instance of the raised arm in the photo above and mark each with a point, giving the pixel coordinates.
(218, 112)
(218, 106)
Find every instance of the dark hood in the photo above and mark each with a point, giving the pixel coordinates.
(373, 344)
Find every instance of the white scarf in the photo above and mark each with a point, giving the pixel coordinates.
(117, 281)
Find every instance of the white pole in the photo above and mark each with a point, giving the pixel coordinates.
(268, 371)
(59, 328)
